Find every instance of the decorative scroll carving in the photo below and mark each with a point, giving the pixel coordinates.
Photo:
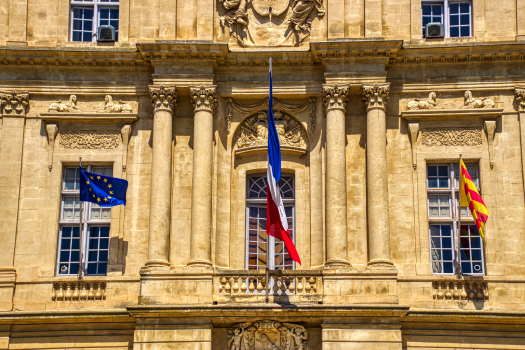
(204, 98)
(335, 96)
(163, 98)
(12, 103)
(253, 131)
(460, 290)
(52, 130)
(267, 335)
(520, 97)
(470, 102)
(89, 139)
(70, 106)
(375, 96)
(429, 103)
(302, 15)
(451, 137)
(112, 107)
(78, 291)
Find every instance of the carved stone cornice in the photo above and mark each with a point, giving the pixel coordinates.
(204, 98)
(375, 96)
(335, 96)
(163, 98)
(520, 98)
(13, 103)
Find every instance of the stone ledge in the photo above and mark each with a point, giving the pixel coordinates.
(88, 117)
(452, 113)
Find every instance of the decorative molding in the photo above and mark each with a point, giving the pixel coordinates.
(88, 117)
(69, 107)
(520, 98)
(163, 98)
(115, 107)
(470, 102)
(13, 103)
(460, 290)
(313, 118)
(435, 137)
(78, 291)
(125, 131)
(429, 103)
(335, 96)
(204, 98)
(413, 128)
(52, 130)
(490, 128)
(271, 335)
(253, 131)
(89, 139)
(451, 114)
(375, 96)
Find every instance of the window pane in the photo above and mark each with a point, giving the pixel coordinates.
(464, 7)
(436, 10)
(68, 250)
(433, 200)
(86, 36)
(448, 267)
(443, 171)
(465, 19)
(88, 26)
(445, 230)
(454, 32)
(454, 8)
(454, 20)
(432, 183)
(427, 10)
(447, 254)
(104, 13)
(443, 183)
(465, 31)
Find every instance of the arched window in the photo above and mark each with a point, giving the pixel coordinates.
(257, 240)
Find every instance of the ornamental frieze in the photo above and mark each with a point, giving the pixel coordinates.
(253, 131)
(267, 335)
(89, 139)
(451, 137)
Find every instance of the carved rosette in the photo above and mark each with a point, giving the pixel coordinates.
(267, 334)
(375, 96)
(12, 103)
(335, 96)
(163, 98)
(520, 97)
(204, 98)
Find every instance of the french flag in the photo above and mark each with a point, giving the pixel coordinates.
(276, 223)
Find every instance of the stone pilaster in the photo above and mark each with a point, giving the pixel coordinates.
(164, 101)
(375, 98)
(204, 100)
(334, 98)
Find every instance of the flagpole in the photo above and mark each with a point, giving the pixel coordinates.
(80, 229)
(458, 233)
(270, 115)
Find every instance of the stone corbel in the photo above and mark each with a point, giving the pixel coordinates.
(413, 128)
(52, 130)
(490, 128)
(126, 134)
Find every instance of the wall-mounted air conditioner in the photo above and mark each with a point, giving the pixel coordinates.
(434, 30)
(106, 33)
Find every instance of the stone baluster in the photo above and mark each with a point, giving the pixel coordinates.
(91, 294)
(259, 285)
(480, 295)
(68, 293)
(53, 293)
(164, 101)
(75, 291)
(60, 294)
(228, 287)
(334, 98)
(375, 98)
(463, 292)
(204, 100)
(251, 286)
(291, 287)
(83, 293)
(98, 294)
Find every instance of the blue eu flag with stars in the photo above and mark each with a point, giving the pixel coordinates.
(104, 190)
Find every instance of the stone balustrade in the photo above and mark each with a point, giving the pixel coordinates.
(250, 285)
(464, 290)
(78, 291)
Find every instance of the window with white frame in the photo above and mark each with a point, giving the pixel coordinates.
(95, 229)
(455, 15)
(88, 15)
(257, 241)
(443, 196)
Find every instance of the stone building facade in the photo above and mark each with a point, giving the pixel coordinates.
(372, 115)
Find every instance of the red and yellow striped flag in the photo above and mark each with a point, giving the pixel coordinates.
(470, 198)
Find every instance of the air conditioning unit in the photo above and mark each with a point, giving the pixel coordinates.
(434, 30)
(106, 33)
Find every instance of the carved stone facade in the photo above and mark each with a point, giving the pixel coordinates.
(204, 98)
(429, 103)
(163, 97)
(267, 335)
(89, 139)
(14, 103)
(471, 102)
(375, 96)
(435, 137)
(335, 97)
(70, 106)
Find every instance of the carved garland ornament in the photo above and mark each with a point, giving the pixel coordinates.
(451, 137)
(253, 131)
(267, 335)
(89, 139)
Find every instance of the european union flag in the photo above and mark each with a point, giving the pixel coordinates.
(104, 190)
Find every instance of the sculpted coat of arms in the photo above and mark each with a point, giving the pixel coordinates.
(267, 335)
(250, 21)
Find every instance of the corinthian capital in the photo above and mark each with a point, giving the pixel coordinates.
(520, 97)
(163, 98)
(375, 96)
(335, 96)
(12, 103)
(204, 98)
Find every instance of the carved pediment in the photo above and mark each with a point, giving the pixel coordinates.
(267, 335)
(253, 131)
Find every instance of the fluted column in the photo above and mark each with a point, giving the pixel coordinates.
(375, 98)
(334, 98)
(164, 100)
(204, 100)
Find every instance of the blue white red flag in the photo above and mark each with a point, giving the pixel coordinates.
(276, 222)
